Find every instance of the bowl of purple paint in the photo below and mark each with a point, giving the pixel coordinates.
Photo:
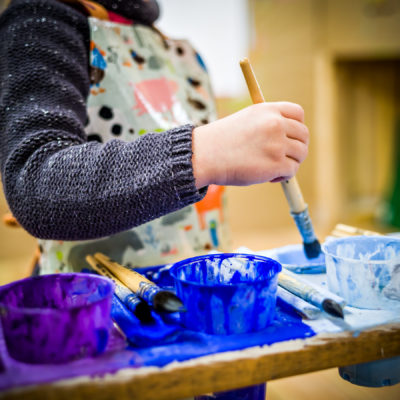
(56, 318)
(227, 293)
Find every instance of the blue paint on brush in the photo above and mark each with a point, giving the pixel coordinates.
(213, 233)
(312, 247)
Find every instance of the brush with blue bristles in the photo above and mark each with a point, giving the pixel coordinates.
(298, 208)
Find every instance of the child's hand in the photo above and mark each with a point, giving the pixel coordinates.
(263, 142)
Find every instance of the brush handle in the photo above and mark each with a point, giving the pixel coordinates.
(300, 289)
(102, 270)
(131, 279)
(126, 295)
(306, 290)
(302, 307)
(155, 296)
(290, 187)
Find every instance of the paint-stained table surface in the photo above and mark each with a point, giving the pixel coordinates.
(230, 370)
(227, 370)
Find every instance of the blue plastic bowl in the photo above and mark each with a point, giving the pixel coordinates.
(364, 270)
(227, 293)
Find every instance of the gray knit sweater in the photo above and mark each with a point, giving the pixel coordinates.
(58, 184)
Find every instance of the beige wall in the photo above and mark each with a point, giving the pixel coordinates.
(296, 48)
(282, 60)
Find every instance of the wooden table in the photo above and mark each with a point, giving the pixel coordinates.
(226, 371)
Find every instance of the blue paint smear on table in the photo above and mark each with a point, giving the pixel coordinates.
(177, 344)
(185, 344)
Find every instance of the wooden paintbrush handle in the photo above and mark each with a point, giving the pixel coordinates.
(290, 187)
(251, 81)
(130, 278)
(293, 195)
(99, 268)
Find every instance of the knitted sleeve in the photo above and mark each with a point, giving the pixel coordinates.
(57, 184)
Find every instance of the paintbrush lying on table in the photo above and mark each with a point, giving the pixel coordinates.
(298, 208)
(328, 302)
(160, 299)
(132, 302)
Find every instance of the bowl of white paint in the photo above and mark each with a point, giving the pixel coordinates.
(364, 270)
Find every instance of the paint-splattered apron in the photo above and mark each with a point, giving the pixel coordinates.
(142, 82)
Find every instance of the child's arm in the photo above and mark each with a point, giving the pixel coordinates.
(57, 184)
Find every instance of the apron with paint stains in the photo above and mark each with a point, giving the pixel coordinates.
(142, 82)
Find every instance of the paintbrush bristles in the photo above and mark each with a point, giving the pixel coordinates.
(313, 249)
(332, 308)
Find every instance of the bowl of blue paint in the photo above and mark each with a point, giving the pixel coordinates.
(56, 318)
(227, 293)
(364, 270)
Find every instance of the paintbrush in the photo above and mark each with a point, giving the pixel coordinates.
(160, 299)
(329, 303)
(342, 230)
(298, 208)
(132, 302)
(288, 300)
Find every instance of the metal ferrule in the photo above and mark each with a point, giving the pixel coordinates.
(304, 225)
(132, 302)
(147, 291)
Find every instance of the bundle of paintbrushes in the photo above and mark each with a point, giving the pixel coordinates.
(132, 302)
(342, 230)
(140, 289)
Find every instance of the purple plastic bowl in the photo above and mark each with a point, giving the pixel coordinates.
(56, 318)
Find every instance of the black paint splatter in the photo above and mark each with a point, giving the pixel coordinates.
(116, 129)
(95, 137)
(106, 112)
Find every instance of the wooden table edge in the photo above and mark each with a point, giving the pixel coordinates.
(224, 371)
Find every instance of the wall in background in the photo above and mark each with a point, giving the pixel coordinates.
(219, 30)
(296, 55)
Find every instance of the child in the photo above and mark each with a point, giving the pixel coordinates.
(78, 97)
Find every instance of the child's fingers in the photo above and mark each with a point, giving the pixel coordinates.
(296, 150)
(290, 110)
(297, 131)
